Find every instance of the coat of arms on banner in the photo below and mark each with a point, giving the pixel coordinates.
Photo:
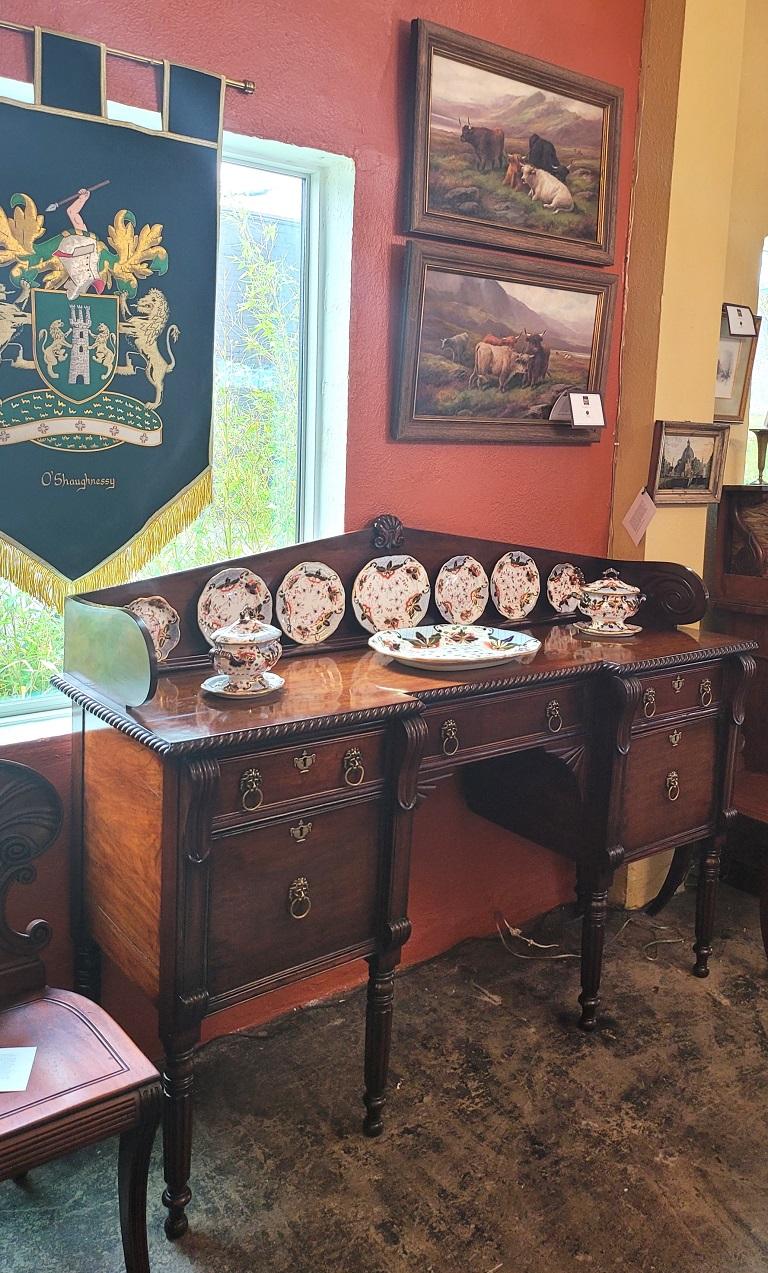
(80, 313)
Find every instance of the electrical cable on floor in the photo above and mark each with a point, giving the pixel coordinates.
(631, 919)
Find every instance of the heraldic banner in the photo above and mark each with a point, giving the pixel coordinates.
(108, 237)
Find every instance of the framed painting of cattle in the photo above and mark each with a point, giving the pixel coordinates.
(511, 152)
(491, 341)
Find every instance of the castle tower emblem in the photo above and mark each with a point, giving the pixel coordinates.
(80, 358)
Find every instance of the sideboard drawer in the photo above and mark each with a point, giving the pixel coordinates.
(286, 895)
(680, 691)
(251, 785)
(542, 714)
(670, 782)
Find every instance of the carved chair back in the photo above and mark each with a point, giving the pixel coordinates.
(30, 819)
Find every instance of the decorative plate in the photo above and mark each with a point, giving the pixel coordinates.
(390, 592)
(234, 595)
(220, 686)
(608, 634)
(564, 587)
(461, 590)
(163, 623)
(515, 585)
(453, 647)
(310, 602)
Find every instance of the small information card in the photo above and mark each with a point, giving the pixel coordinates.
(741, 320)
(639, 516)
(15, 1068)
(587, 410)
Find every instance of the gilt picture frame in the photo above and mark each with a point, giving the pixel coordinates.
(687, 462)
(733, 378)
(491, 342)
(480, 112)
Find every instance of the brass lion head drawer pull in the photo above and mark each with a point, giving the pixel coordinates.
(304, 761)
(705, 692)
(554, 719)
(299, 901)
(354, 769)
(251, 794)
(649, 703)
(301, 830)
(673, 785)
(449, 732)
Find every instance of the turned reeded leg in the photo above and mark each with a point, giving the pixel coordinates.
(592, 942)
(132, 1171)
(706, 896)
(178, 1083)
(378, 1034)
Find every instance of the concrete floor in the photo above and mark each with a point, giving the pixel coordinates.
(514, 1143)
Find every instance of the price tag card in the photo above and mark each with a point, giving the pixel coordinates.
(639, 516)
(587, 410)
(15, 1068)
(741, 320)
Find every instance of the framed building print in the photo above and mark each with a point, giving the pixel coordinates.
(735, 357)
(687, 462)
(491, 342)
(511, 152)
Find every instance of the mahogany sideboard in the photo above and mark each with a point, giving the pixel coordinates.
(230, 848)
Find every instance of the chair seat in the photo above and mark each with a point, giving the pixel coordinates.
(85, 1076)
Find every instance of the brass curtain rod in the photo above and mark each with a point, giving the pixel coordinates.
(243, 86)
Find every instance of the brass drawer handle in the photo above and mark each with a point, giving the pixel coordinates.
(301, 831)
(673, 785)
(678, 683)
(449, 733)
(649, 703)
(304, 762)
(354, 769)
(251, 794)
(705, 692)
(554, 719)
(675, 737)
(299, 901)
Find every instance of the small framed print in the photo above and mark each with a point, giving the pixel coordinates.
(687, 462)
(735, 356)
(741, 320)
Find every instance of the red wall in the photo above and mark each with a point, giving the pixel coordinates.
(333, 74)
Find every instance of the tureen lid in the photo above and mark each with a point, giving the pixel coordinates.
(610, 582)
(246, 634)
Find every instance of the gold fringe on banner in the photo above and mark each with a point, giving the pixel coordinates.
(42, 581)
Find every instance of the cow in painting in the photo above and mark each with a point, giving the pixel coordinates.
(455, 347)
(547, 190)
(487, 143)
(542, 154)
(497, 362)
(537, 365)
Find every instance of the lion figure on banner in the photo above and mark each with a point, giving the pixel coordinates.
(145, 327)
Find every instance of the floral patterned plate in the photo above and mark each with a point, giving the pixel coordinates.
(234, 595)
(163, 623)
(461, 590)
(515, 585)
(453, 647)
(390, 592)
(310, 602)
(564, 587)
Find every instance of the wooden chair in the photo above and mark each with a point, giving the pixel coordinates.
(88, 1080)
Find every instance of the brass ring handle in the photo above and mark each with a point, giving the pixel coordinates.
(649, 703)
(705, 692)
(673, 785)
(301, 831)
(449, 732)
(299, 901)
(554, 719)
(251, 794)
(354, 769)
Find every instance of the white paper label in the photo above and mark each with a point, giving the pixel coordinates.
(741, 320)
(15, 1068)
(587, 410)
(639, 516)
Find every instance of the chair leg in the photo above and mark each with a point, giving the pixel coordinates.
(132, 1172)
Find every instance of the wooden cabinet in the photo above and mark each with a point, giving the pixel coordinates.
(670, 784)
(460, 732)
(680, 690)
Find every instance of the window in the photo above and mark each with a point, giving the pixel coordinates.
(758, 394)
(280, 382)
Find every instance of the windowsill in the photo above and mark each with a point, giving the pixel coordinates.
(31, 727)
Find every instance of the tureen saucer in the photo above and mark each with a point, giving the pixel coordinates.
(220, 686)
(604, 634)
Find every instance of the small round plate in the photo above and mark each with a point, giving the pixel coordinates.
(310, 602)
(163, 623)
(601, 634)
(515, 585)
(220, 686)
(234, 595)
(461, 590)
(391, 592)
(564, 587)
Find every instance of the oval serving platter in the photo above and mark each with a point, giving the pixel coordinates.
(453, 647)
(515, 585)
(461, 590)
(234, 595)
(390, 592)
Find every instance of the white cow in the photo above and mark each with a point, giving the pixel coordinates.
(547, 189)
